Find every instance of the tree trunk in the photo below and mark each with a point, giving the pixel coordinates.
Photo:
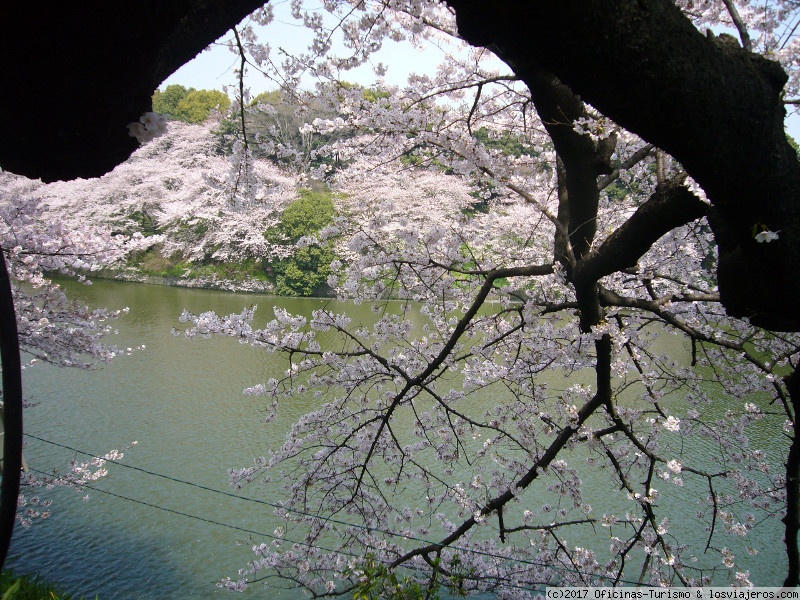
(89, 70)
(713, 106)
(791, 520)
(12, 412)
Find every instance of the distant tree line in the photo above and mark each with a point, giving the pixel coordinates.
(188, 104)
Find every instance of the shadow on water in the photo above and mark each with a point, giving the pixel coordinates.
(88, 556)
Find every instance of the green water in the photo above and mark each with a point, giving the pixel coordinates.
(181, 401)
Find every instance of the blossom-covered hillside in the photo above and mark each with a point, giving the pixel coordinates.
(173, 195)
(177, 200)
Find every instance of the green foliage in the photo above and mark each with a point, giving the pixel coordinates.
(246, 270)
(308, 269)
(137, 221)
(312, 211)
(618, 191)
(273, 97)
(378, 582)
(425, 157)
(188, 104)
(485, 193)
(510, 144)
(306, 272)
(189, 231)
(145, 221)
(373, 95)
(28, 588)
(793, 144)
(166, 102)
(153, 262)
(624, 191)
(196, 107)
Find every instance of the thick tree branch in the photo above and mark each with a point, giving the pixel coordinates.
(744, 35)
(695, 97)
(582, 160)
(242, 67)
(633, 159)
(670, 206)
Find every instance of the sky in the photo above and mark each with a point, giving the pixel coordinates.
(214, 68)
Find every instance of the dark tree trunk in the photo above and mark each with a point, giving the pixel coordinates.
(73, 75)
(12, 412)
(581, 161)
(713, 106)
(791, 520)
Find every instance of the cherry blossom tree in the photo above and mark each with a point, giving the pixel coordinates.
(665, 206)
(591, 247)
(175, 197)
(51, 327)
(46, 326)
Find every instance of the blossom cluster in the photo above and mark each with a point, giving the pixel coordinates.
(149, 126)
(33, 506)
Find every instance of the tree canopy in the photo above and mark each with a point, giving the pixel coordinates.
(166, 101)
(671, 103)
(190, 105)
(555, 297)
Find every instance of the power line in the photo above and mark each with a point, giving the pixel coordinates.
(171, 478)
(324, 519)
(198, 518)
(314, 545)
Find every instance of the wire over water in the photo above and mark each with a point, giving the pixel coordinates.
(475, 551)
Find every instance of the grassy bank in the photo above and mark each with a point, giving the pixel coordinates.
(13, 587)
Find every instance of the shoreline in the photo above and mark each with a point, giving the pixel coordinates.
(227, 285)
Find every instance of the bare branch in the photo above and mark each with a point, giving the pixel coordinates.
(747, 44)
(603, 370)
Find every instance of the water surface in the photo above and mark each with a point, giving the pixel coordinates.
(151, 536)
